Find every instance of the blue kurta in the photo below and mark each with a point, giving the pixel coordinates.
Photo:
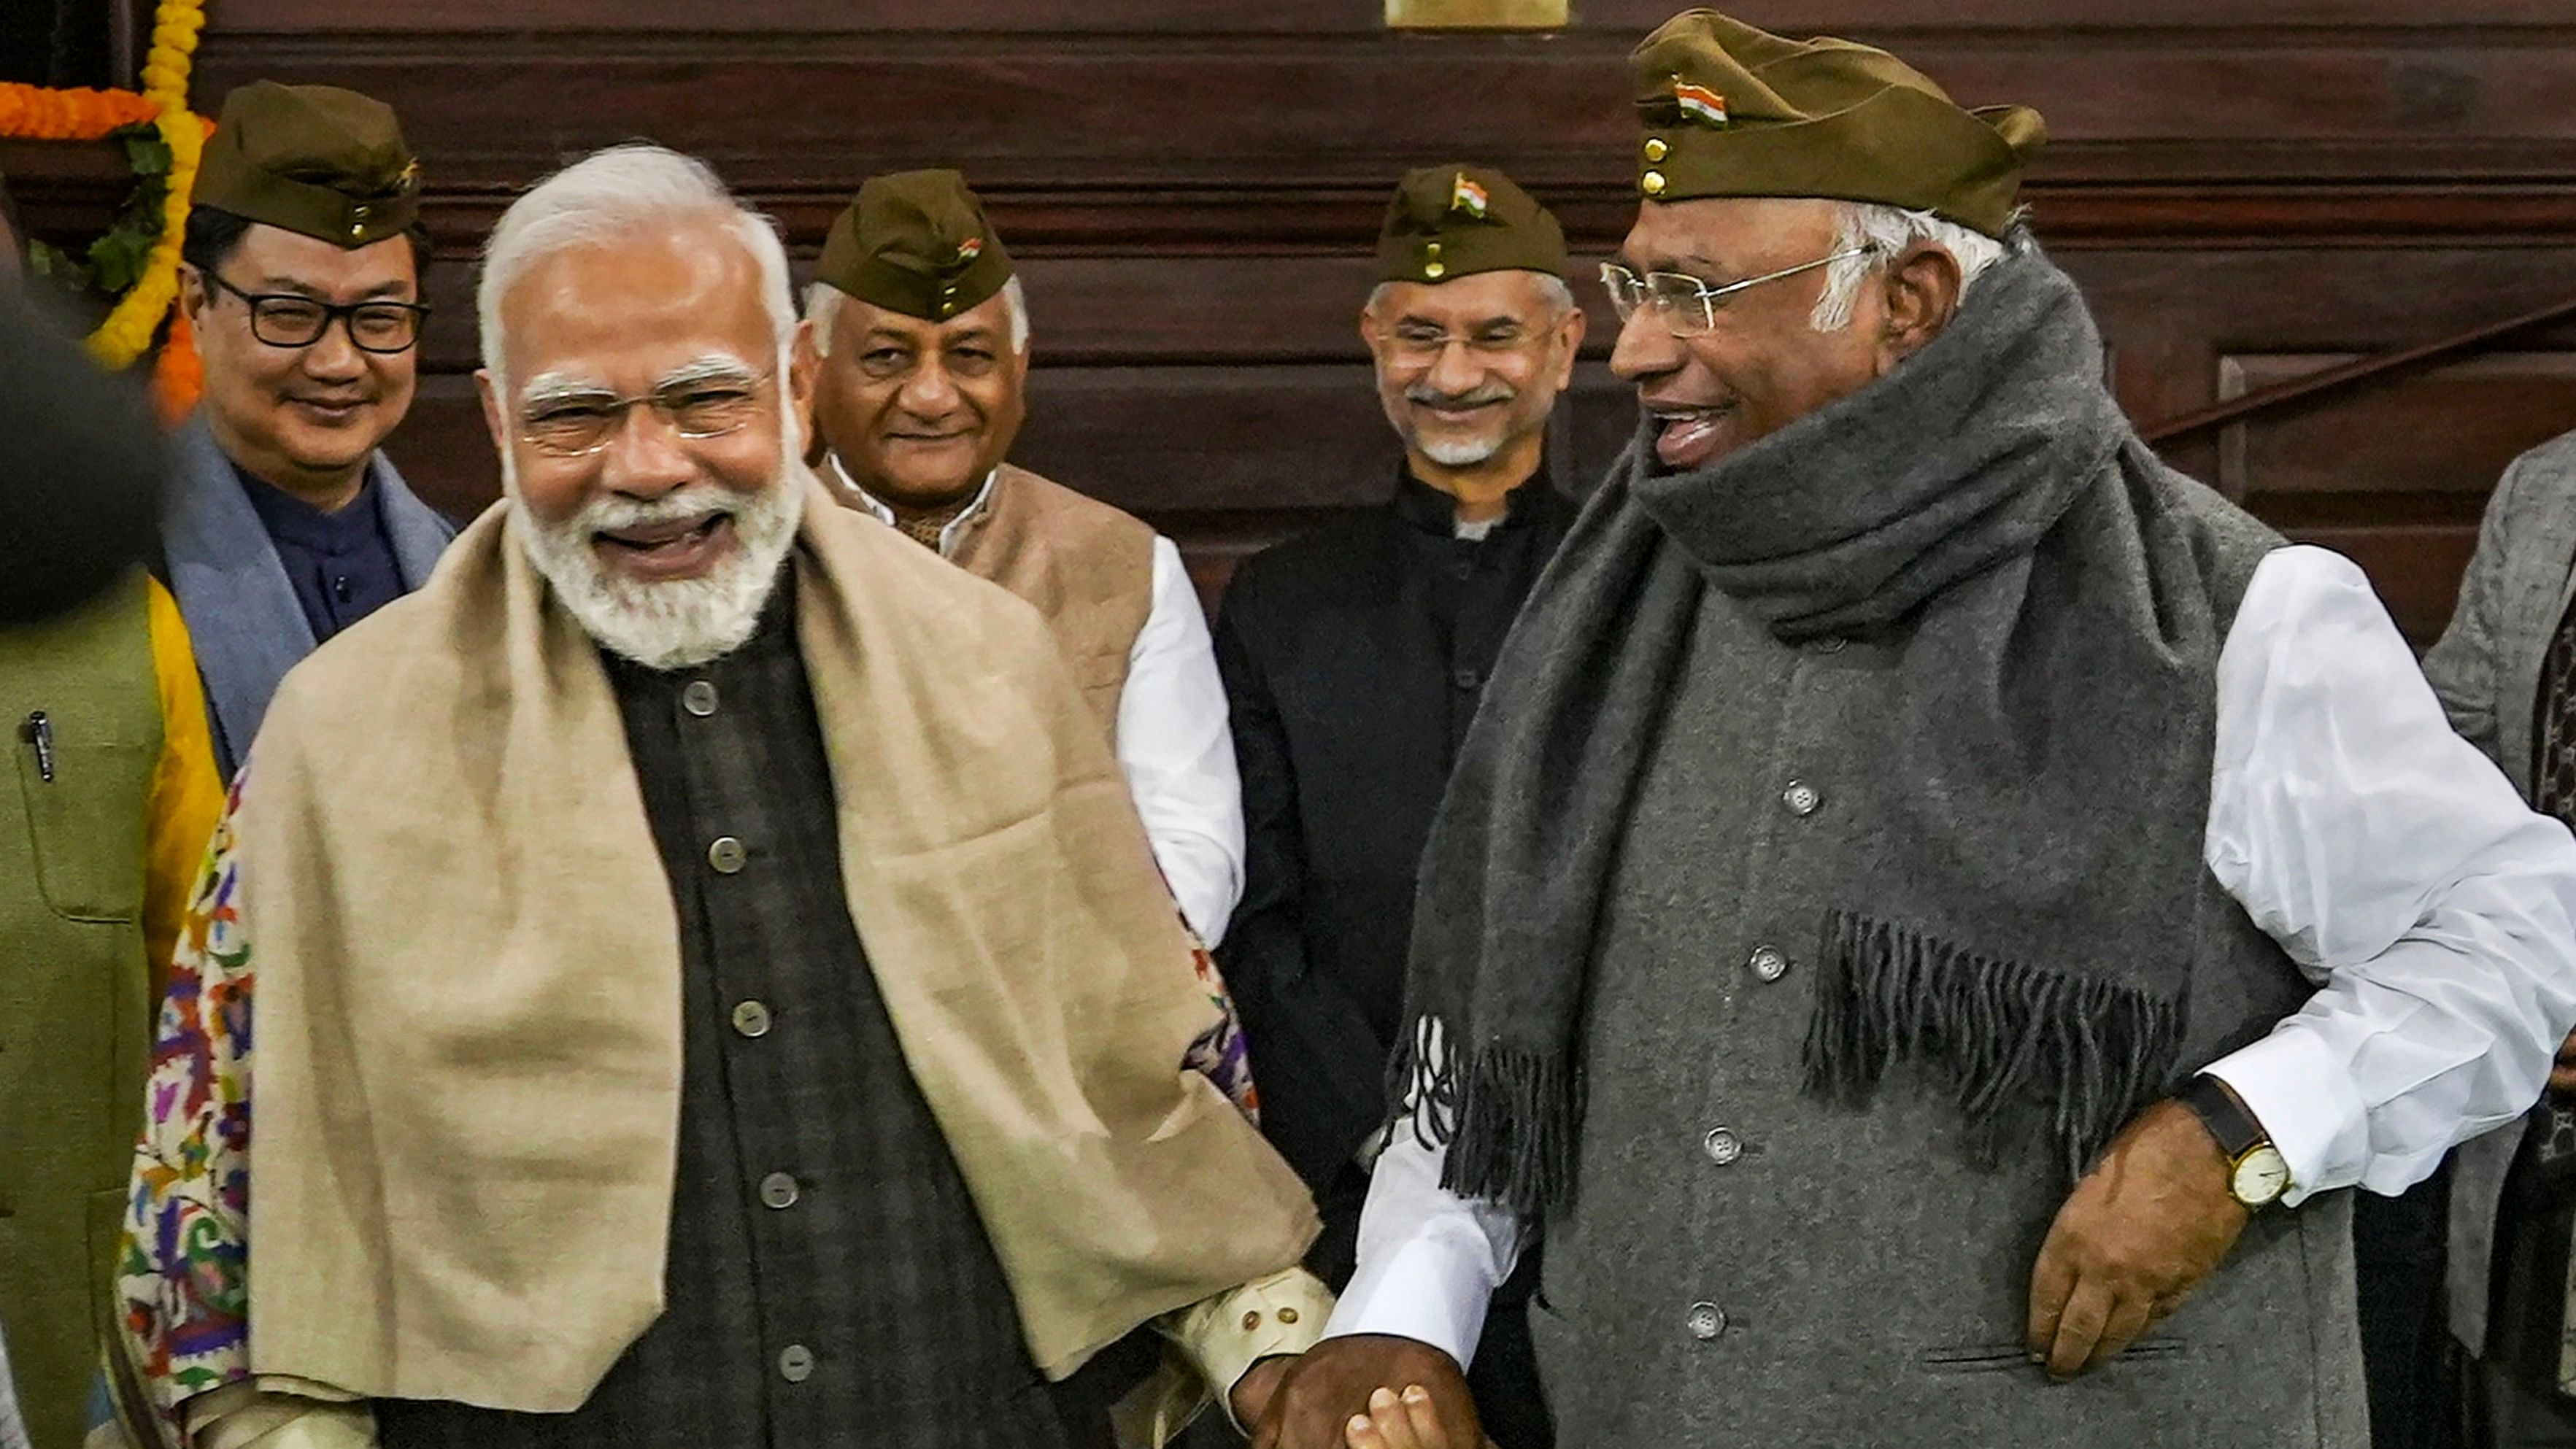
(341, 565)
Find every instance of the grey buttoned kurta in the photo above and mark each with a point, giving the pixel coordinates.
(1868, 1286)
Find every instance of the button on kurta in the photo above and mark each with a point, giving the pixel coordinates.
(726, 855)
(1768, 963)
(698, 698)
(1706, 1321)
(1723, 1146)
(778, 1190)
(751, 1019)
(796, 1363)
(1467, 679)
(1801, 798)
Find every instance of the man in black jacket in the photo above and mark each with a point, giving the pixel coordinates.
(1353, 658)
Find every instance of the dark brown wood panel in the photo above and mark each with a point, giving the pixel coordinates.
(773, 107)
(1348, 17)
(2428, 447)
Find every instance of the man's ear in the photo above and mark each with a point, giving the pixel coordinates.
(492, 420)
(1922, 288)
(803, 365)
(193, 294)
(1570, 337)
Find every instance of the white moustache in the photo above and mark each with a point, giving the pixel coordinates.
(696, 501)
(1478, 398)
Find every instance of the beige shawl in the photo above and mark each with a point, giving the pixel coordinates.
(468, 1072)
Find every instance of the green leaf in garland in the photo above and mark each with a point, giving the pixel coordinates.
(145, 151)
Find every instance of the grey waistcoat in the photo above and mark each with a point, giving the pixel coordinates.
(1819, 1275)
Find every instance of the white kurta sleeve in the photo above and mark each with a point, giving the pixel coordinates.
(2435, 912)
(1429, 1259)
(1177, 754)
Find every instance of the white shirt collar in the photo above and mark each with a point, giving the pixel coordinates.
(948, 533)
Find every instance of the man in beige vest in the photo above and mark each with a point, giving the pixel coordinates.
(730, 1000)
(922, 328)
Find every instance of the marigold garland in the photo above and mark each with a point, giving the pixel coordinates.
(83, 114)
(178, 374)
(36, 113)
(128, 330)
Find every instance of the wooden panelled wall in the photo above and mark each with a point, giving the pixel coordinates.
(2246, 188)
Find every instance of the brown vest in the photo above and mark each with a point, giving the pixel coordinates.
(1087, 566)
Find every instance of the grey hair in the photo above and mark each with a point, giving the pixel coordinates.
(1551, 286)
(1886, 231)
(620, 192)
(823, 305)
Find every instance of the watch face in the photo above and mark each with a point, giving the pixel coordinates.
(2261, 1176)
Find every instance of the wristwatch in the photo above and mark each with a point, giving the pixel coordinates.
(2257, 1174)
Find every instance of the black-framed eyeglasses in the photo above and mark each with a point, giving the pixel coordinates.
(291, 319)
(574, 424)
(1685, 304)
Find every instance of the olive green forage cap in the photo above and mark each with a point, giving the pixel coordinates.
(313, 159)
(916, 242)
(1730, 110)
(1458, 220)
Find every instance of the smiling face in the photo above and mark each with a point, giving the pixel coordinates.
(1763, 364)
(918, 412)
(1469, 367)
(661, 523)
(302, 418)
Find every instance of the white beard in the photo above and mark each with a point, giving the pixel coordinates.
(673, 623)
(1461, 452)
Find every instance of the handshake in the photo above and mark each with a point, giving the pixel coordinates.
(1365, 1391)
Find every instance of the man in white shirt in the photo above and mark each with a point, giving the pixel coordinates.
(923, 330)
(1904, 799)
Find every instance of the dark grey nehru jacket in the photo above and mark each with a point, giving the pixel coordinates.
(1747, 1266)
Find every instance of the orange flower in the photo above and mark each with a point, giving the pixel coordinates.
(37, 113)
(178, 375)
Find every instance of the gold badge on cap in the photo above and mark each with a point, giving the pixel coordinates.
(1465, 195)
(1699, 103)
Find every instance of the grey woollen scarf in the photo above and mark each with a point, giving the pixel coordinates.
(2028, 939)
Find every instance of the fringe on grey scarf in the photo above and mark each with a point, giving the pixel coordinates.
(1508, 1118)
(2037, 1058)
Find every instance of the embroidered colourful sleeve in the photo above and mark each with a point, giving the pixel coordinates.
(1219, 1053)
(182, 1273)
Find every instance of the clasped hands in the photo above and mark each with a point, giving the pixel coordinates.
(1365, 1391)
(2151, 1220)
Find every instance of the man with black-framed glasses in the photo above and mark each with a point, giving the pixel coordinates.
(304, 259)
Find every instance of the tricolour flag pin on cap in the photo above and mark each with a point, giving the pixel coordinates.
(1699, 102)
(1468, 197)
